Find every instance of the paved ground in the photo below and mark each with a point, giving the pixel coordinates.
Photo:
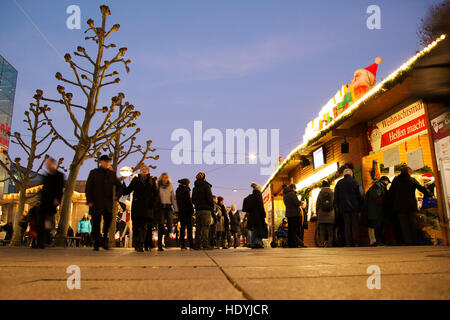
(310, 273)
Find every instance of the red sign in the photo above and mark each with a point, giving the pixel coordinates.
(404, 131)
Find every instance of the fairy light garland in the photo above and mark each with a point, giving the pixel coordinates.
(379, 87)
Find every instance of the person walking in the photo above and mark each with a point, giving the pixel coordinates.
(186, 211)
(202, 199)
(374, 210)
(235, 220)
(325, 214)
(244, 230)
(402, 202)
(102, 190)
(168, 208)
(348, 200)
(84, 228)
(144, 192)
(220, 227)
(51, 194)
(253, 205)
(213, 226)
(292, 204)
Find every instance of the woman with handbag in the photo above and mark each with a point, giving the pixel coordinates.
(142, 207)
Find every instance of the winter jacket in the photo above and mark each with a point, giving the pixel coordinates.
(291, 202)
(235, 220)
(53, 184)
(348, 196)
(324, 216)
(167, 196)
(84, 226)
(254, 207)
(375, 201)
(184, 202)
(144, 197)
(100, 190)
(202, 197)
(402, 194)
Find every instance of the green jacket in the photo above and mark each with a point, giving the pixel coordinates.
(376, 199)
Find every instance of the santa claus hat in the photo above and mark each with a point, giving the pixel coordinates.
(373, 68)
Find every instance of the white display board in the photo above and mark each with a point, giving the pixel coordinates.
(414, 159)
(391, 157)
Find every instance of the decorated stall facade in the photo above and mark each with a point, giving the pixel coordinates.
(355, 128)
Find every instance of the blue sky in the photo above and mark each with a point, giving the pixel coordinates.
(232, 64)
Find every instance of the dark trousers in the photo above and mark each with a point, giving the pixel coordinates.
(203, 220)
(326, 231)
(96, 222)
(220, 237)
(141, 228)
(186, 224)
(351, 222)
(228, 235)
(236, 241)
(42, 232)
(212, 235)
(165, 224)
(408, 227)
(293, 223)
(85, 239)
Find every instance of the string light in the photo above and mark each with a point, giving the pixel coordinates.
(378, 87)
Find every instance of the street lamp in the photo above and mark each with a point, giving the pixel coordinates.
(126, 172)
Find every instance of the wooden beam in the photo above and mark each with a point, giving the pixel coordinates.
(352, 132)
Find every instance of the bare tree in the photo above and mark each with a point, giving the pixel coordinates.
(89, 79)
(435, 23)
(35, 149)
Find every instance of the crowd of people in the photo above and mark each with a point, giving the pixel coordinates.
(202, 221)
(389, 214)
(155, 204)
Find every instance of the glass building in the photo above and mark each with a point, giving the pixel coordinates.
(8, 79)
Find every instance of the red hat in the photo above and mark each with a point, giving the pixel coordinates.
(427, 175)
(373, 68)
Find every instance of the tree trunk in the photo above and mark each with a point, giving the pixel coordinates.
(16, 239)
(66, 203)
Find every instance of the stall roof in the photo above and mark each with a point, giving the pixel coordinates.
(358, 112)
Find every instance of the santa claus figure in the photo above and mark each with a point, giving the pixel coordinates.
(365, 79)
(374, 136)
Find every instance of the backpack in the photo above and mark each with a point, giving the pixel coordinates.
(327, 202)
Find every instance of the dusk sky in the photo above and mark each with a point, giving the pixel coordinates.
(230, 64)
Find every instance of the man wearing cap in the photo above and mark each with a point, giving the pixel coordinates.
(202, 199)
(102, 189)
(348, 199)
(375, 208)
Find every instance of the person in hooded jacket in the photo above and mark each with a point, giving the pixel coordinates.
(325, 214)
(202, 199)
(292, 204)
(185, 211)
(235, 219)
(84, 228)
(142, 207)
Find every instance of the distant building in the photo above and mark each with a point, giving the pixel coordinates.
(8, 79)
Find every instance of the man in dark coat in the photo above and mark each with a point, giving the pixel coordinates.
(292, 204)
(374, 210)
(142, 208)
(254, 207)
(51, 194)
(100, 197)
(348, 198)
(185, 211)
(403, 203)
(202, 199)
